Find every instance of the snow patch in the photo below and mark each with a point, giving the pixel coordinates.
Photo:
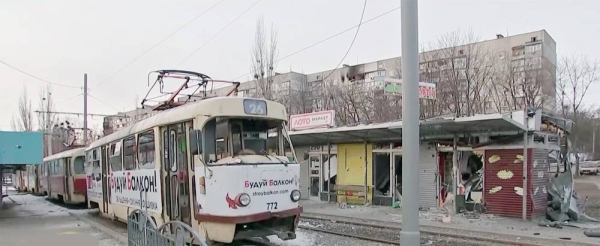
(10, 188)
(303, 238)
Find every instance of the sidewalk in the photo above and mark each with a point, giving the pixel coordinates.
(28, 220)
(487, 226)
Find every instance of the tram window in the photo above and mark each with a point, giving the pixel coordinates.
(236, 138)
(115, 156)
(209, 143)
(182, 147)
(67, 165)
(60, 164)
(129, 153)
(255, 135)
(78, 167)
(194, 136)
(146, 150)
(165, 148)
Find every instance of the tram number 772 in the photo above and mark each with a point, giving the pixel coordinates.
(271, 205)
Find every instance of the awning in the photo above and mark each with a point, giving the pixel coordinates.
(436, 128)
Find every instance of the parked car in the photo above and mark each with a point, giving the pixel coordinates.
(590, 167)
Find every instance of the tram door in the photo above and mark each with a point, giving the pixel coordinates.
(67, 173)
(175, 165)
(105, 185)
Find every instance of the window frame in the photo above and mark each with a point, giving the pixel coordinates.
(112, 148)
(133, 153)
(141, 161)
(75, 172)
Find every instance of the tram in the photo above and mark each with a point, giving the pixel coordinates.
(208, 164)
(63, 176)
(27, 179)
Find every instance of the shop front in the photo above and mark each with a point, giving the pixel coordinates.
(364, 163)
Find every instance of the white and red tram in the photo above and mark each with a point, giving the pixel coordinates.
(63, 176)
(207, 164)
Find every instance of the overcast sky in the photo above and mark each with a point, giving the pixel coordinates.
(59, 41)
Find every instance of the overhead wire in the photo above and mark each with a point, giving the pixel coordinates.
(327, 39)
(160, 42)
(69, 99)
(38, 78)
(351, 44)
(100, 101)
(217, 34)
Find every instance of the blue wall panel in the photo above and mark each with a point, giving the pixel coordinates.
(18, 148)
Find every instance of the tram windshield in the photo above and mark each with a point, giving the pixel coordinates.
(238, 138)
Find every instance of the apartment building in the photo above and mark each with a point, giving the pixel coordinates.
(122, 119)
(496, 75)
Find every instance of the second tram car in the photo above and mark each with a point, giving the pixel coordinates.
(208, 164)
(63, 176)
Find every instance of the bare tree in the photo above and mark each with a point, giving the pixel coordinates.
(522, 81)
(462, 70)
(299, 98)
(351, 100)
(264, 58)
(575, 76)
(46, 119)
(24, 121)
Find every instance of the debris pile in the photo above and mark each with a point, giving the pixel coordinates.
(562, 200)
(563, 206)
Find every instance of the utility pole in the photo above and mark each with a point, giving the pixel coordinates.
(525, 158)
(85, 132)
(48, 125)
(410, 235)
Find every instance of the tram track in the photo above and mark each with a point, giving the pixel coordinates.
(377, 232)
(365, 238)
(387, 235)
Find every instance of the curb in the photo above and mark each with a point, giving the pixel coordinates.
(102, 228)
(459, 233)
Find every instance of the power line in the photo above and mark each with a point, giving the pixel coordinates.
(70, 113)
(69, 99)
(162, 41)
(100, 101)
(351, 44)
(36, 77)
(326, 39)
(217, 34)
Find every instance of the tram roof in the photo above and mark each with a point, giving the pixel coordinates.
(434, 128)
(67, 153)
(214, 107)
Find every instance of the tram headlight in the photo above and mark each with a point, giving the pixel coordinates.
(295, 195)
(243, 199)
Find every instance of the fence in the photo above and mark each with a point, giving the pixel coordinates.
(143, 231)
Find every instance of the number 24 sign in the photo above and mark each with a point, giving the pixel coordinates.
(255, 107)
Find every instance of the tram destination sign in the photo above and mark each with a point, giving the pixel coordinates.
(126, 187)
(255, 107)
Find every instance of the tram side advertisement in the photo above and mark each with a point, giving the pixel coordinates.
(127, 186)
(94, 185)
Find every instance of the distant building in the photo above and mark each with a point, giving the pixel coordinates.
(504, 74)
(122, 119)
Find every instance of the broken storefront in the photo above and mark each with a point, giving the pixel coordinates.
(364, 163)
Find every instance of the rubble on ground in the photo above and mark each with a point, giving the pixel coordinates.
(564, 208)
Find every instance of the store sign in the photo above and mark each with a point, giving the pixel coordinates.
(312, 120)
(127, 186)
(394, 87)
